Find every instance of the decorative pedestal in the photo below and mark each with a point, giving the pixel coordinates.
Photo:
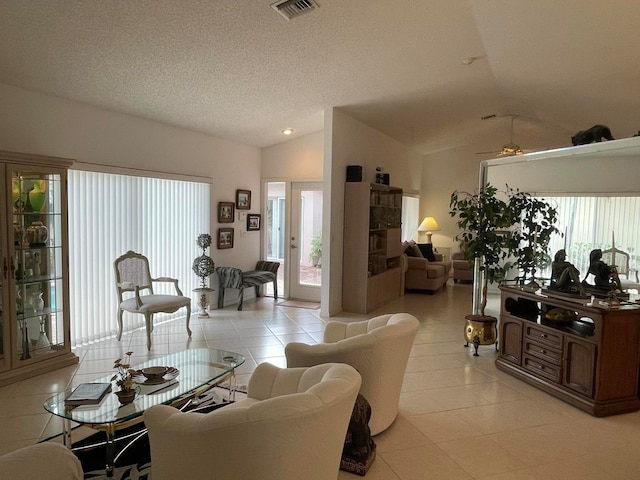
(204, 296)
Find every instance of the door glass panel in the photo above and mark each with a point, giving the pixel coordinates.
(310, 238)
(37, 263)
(275, 231)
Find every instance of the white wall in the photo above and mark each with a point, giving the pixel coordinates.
(296, 159)
(351, 142)
(33, 122)
(442, 174)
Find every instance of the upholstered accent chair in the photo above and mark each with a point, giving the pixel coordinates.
(48, 460)
(462, 271)
(378, 348)
(291, 425)
(133, 277)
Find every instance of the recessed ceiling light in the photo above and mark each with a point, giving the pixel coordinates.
(287, 131)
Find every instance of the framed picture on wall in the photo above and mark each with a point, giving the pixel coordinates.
(225, 238)
(243, 199)
(226, 212)
(253, 222)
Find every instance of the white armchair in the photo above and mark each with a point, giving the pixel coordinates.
(133, 276)
(42, 460)
(292, 425)
(377, 348)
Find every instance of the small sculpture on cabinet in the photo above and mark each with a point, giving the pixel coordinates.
(605, 276)
(564, 276)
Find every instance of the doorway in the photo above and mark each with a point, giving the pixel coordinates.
(293, 236)
(305, 275)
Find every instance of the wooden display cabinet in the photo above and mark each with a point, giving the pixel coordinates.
(372, 246)
(590, 360)
(34, 318)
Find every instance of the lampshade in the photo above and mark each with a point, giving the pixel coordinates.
(429, 224)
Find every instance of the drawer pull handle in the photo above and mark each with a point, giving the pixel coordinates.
(543, 335)
(543, 351)
(541, 367)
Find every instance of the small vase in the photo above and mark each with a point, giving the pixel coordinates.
(38, 302)
(125, 397)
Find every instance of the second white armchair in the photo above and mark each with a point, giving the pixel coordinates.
(378, 348)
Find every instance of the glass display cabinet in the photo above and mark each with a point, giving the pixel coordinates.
(34, 315)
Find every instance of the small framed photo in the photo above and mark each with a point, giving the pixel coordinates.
(226, 212)
(243, 199)
(225, 238)
(253, 222)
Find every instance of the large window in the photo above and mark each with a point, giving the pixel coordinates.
(410, 217)
(110, 214)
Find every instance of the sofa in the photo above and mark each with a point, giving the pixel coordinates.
(462, 271)
(423, 273)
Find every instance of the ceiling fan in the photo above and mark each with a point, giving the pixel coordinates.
(508, 149)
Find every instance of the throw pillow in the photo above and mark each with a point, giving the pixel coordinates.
(417, 251)
(427, 251)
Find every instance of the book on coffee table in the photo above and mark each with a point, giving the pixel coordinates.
(88, 394)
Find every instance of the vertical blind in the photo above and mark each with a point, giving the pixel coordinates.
(111, 214)
(589, 222)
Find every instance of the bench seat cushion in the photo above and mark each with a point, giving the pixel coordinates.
(253, 278)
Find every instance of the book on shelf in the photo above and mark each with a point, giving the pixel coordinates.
(88, 394)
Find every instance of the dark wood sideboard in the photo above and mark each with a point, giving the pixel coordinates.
(591, 362)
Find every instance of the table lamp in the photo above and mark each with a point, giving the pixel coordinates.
(428, 225)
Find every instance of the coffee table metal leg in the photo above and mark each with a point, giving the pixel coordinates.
(66, 432)
(110, 448)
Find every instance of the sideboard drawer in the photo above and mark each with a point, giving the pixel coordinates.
(545, 336)
(542, 351)
(542, 369)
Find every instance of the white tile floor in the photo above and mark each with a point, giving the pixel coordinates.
(460, 418)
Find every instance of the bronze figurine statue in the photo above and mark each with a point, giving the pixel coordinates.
(564, 276)
(605, 276)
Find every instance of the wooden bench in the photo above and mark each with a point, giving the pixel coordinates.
(231, 277)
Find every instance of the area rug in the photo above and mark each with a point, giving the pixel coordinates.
(298, 304)
(132, 462)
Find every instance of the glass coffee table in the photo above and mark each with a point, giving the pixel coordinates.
(199, 370)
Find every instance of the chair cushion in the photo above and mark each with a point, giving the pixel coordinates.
(155, 303)
(254, 278)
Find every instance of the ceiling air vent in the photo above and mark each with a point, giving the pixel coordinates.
(294, 8)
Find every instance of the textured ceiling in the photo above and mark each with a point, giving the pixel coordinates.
(238, 70)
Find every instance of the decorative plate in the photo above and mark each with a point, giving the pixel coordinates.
(561, 315)
(172, 372)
